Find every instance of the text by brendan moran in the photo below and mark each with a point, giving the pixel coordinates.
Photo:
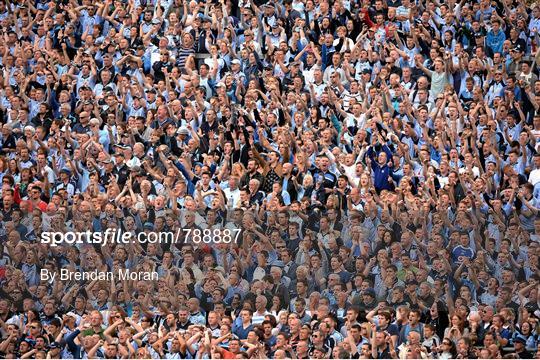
(121, 274)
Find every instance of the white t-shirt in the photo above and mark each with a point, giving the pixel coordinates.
(534, 176)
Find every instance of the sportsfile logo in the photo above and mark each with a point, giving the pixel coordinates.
(117, 236)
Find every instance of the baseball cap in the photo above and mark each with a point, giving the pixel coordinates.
(531, 307)
(12, 321)
(74, 316)
(370, 292)
(148, 226)
(517, 48)
(294, 14)
(183, 130)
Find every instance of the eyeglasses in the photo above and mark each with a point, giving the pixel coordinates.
(446, 343)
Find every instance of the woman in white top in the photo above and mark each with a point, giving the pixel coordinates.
(447, 349)
(342, 41)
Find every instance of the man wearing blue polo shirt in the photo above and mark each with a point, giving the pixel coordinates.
(242, 325)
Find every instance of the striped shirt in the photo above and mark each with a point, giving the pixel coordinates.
(183, 54)
(258, 318)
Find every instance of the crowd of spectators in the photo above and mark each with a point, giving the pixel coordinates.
(379, 159)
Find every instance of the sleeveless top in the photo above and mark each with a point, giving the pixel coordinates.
(270, 178)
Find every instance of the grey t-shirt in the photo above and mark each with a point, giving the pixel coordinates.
(438, 82)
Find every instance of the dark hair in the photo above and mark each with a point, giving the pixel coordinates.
(453, 349)
(56, 322)
(36, 315)
(386, 315)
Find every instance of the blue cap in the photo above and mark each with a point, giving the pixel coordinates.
(148, 226)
